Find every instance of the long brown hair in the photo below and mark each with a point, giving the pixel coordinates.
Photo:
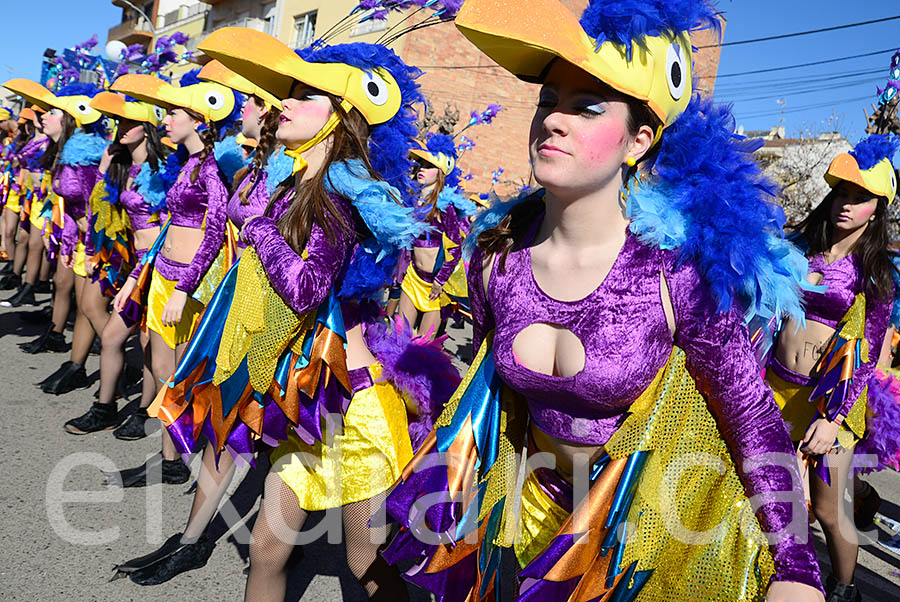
(311, 203)
(208, 136)
(264, 148)
(55, 148)
(432, 200)
(515, 225)
(871, 248)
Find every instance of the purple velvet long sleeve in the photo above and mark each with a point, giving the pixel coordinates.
(450, 226)
(302, 283)
(257, 198)
(74, 183)
(720, 359)
(878, 315)
(209, 184)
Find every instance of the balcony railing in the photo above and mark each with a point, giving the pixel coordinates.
(133, 31)
(183, 13)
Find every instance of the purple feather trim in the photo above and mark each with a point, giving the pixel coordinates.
(418, 367)
(882, 423)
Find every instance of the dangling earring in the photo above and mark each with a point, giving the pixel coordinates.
(630, 162)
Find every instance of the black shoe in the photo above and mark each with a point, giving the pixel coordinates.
(10, 282)
(41, 316)
(6, 269)
(23, 298)
(101, 417)
(134, 428)
(835, 591)
(168, 548)
(43, 287)
(55, 376)
(187, 557)
(74, 378)
(173, 472)
(865, 507)
(51, 341)
(96, 346)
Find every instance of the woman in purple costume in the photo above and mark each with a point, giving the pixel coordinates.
(129, 209)
(822, 370)
(609, 313)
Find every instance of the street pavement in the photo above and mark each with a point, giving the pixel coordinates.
(64, 530)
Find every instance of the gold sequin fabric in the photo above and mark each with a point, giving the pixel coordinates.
(260, 326)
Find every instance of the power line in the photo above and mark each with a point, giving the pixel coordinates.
(801, 33)
(798, 65)
(801, 108)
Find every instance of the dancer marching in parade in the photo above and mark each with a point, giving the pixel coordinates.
(822, 371)
(190, 242)
(609, 314)
(129, 206)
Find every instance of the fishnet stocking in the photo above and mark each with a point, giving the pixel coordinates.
(280, 518)
(381, 581)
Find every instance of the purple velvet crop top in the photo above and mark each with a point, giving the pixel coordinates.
(623, 328)
(74, 183)
(446, 224)
(257, 199)
(193, 204)
(139, 212)
(843, 281)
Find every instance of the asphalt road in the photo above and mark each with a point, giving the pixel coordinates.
(63, 530)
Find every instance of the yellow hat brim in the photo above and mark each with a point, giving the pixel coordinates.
(274, 67)
(114, 105)
(168, 142)
(32, 92)
(215, 71)
(880, 179)
(153, 90)
(27, 114)
(423, 154)
(526, 42)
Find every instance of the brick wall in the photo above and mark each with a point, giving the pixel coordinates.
(474, 81)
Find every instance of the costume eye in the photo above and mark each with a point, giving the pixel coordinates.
(215, 100)
(83, 107)
(889, 94)
(893, 182)
(895, 73)
(676, 70)
(895, 60)
(160, 113)
(375, 88)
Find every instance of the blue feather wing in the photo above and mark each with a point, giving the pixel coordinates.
(83, 149)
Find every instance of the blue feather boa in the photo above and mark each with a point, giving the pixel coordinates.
(229, 157)
(83, 149)
(393, 226)
(710, 202)
(279, 168)
(450, 196)
(152, 187)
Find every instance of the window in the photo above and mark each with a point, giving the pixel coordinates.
(269, 19)
(304, 29)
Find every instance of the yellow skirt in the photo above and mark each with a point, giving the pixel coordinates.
(539, 520)
(160, 292)
(418, 290)
(360, 463)
(12, 201)
(35, 215)
(798, 412)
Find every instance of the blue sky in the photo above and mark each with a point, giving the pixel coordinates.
(844, 86)
(54, 24)
(809, 93)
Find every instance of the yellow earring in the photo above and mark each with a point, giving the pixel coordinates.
(630, 162)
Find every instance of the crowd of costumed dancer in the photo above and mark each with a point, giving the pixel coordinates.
(286, 246)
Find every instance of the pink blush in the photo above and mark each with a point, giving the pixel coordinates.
(601, 143)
